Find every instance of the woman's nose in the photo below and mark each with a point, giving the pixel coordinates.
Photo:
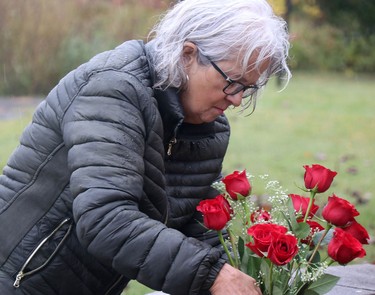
(235, 99)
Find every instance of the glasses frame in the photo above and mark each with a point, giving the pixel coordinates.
(243, 87)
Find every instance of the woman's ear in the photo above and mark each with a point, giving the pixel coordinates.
(189, 54)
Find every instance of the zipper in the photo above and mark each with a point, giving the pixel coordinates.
(114, 285)
(21, 274)
(166, 216)
(170, 145)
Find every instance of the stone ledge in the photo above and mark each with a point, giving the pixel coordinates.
(354, 279)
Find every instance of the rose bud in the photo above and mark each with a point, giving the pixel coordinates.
(318, 178)
(357, 231)
(301, 204)
(343, 247)
(339, 211)
(237, 183)
(216, 212)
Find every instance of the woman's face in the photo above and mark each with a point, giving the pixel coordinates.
(203, 99)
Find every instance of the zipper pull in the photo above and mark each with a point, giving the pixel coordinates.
(170, 144)
(19, 277)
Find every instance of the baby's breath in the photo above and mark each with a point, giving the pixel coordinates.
(312, 272)
(272, 201)
(219, 186)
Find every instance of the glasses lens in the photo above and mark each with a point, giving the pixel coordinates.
(233, 88)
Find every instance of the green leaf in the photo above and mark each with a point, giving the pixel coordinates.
(323, 285)
(301, 230)
(253, 265)
(326, 239)
(292, 214)
(244, 261)
(241, 247)
(283, 277)
(266, 270)
(277, 291)
(316, 257)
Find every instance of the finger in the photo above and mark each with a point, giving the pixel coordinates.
(257, 288)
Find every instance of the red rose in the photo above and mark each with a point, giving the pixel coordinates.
(357, 231)
(237, 183)
(314, 228)
(343, 247)
(301, 204)
(318, 177)
(282, 248)
(339, 211)
(260, 215)
(262, 236)
(216, 212)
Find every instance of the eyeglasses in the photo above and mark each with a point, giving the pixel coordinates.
(235, 87)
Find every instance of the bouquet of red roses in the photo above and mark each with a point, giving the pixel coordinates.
(286, 248)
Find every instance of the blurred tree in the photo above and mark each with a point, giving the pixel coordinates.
(350, 15)
(278, 6)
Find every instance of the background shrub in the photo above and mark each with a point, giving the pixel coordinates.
(42, 40)
(322, 47)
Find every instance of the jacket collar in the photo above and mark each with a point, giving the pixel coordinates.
(170, 110)
(168, 100)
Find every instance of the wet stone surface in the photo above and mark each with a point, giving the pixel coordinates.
(354, 279)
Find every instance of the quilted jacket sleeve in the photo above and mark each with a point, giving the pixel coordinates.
(105, 133)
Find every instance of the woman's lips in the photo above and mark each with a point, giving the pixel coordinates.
(220, 109)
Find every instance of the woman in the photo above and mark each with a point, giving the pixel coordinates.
(104, 184)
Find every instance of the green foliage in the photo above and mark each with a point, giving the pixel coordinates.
(350, 15)
(325, 119)
(41, 40)
(300, 229)
(360, 54)
(335, 35)
(324, 47)
(318, 49)
(323, 285)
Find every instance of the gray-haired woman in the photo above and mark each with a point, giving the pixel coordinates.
(104, 184)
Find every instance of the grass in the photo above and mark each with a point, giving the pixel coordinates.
(319, 118)
(10, 131)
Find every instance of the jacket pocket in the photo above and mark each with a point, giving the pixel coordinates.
(36, 262)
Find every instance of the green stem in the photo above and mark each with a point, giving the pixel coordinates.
(246, 208)
(312, 196)
(271, 277)
(235, 252)
(221, 238)
(329, 226)
(331, 261)
(293, 273)
(300, 288)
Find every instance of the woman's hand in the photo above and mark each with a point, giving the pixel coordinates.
(232, 281)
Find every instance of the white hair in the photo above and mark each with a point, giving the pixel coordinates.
(222, 30)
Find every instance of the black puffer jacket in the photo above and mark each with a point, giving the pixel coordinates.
(90, 199)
